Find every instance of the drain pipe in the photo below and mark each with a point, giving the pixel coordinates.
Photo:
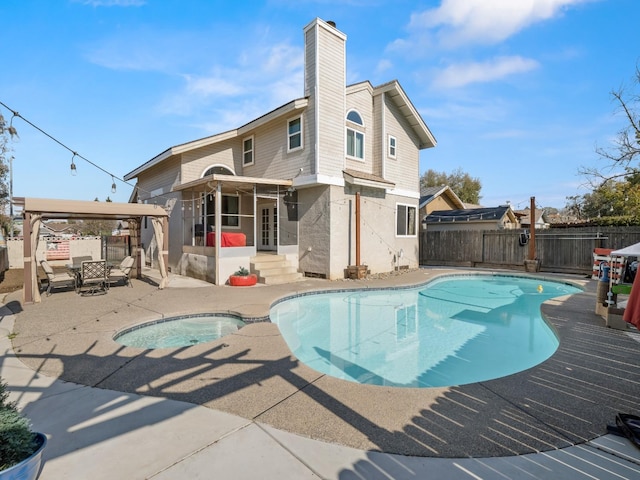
(357, 229)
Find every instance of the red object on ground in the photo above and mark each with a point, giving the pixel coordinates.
(632, 311)
(228, 239)
(243, 280)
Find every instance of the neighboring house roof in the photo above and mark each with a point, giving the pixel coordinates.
(429, 194)
(58, 228)
(491, 214)
(525, 216)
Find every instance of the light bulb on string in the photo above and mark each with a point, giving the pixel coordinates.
(74, 171)
(113, 185)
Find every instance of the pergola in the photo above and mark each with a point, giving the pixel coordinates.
(37, 209)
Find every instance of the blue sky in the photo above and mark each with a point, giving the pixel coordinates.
(516, 92)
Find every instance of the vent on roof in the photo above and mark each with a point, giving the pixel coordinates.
(332, 23)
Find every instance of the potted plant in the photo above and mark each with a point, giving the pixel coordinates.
(20, 447)
(242, 278)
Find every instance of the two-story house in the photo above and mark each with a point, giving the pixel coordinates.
(324, 182)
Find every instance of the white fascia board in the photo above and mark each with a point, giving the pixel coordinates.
(178, 149)
(403, 193)
(285, 110)
(313, 180)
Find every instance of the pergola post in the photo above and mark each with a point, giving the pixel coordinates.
(26, 242)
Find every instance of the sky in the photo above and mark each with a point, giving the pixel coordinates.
(516, 92)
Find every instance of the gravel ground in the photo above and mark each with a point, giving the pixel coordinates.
(11, 280)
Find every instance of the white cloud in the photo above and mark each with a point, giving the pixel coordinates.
(459, 22)
(261, 80)
(459, 75)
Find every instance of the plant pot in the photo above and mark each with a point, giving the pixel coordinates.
(243, 280)
(29, 468)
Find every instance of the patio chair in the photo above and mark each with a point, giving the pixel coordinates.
(80, 259)
(93, 277)
(54, 279)
(122, 271)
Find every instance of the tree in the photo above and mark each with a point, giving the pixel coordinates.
(613, 202)
(622, 158)
(7, 133)
(466, 187)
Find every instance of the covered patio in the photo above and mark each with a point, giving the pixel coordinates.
(227, 219)
(35, 210)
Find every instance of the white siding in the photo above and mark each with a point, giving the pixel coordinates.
(404, 171)
(196, 162)
(362, 101)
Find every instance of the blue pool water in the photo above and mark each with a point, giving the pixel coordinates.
(179, 331)
(452, 331)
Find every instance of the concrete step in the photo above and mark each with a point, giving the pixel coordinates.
(268, 261)
(275, 270)
(280, 279)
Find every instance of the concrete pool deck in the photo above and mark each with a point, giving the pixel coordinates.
(266, 412)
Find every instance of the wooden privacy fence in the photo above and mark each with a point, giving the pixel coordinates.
(567, 250)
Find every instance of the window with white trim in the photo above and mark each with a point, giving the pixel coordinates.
(392, 146)
(406, 220)
(294, 134)
(355, 136)
(247, 151)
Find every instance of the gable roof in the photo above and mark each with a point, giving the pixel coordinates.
(284, 110)
(490, 214)
(392, 89)
(525, 216)
(429, 194)
(401, 100)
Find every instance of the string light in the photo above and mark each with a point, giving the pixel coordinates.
(74, 171)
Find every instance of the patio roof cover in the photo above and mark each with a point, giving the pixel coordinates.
(37, 209)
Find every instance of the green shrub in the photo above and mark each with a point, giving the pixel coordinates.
(242, 272)
(17, 441)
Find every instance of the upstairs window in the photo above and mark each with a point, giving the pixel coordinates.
(355, 117)
(247, 151)
(355, 144)
(294, 134)
(355, 137)
(405, 220)
(392, 146)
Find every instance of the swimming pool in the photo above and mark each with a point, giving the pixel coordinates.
(180, 331)
(452, 331)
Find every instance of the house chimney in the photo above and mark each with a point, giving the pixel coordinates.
(325, 84)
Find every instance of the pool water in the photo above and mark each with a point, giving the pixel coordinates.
(179, 331)
(452, 331)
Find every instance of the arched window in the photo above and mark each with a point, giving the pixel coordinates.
(354, 116)
(219, 170)
(355, 138)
